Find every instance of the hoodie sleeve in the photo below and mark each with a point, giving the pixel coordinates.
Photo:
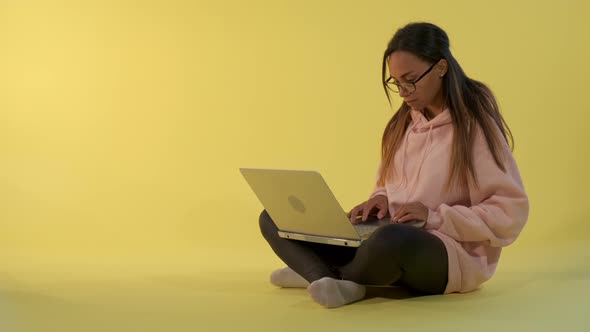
(499, 206)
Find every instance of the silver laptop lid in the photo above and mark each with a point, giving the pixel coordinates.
(300, 202)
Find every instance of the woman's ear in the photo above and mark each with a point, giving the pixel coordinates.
(442, 67)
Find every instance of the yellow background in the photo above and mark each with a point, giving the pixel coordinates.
(123, 125)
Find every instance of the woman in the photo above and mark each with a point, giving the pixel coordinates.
(446, 161)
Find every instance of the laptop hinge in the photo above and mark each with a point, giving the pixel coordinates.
(320, 239)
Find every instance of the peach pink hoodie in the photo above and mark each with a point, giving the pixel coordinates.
(474, 223)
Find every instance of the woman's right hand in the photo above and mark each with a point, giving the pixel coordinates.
(378, 204)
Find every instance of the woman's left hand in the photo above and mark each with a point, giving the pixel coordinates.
(410, 211)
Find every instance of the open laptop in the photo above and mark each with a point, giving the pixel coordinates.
(304, 208)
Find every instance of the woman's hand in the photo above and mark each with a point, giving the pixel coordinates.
(410, 211)
(378, 203)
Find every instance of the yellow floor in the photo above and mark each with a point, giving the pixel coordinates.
(546, 290)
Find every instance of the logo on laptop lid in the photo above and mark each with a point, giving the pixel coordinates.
(297, 204)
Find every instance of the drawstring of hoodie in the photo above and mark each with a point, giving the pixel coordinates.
(403, 161)
(425, 151)
(422, 159)
(420, 124)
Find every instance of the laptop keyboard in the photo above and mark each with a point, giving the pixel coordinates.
(365, 230)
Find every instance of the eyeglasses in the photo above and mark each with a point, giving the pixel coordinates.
(409, 87)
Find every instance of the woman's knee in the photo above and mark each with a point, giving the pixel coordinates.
(380, 258)
(267, 225)
(394, 238)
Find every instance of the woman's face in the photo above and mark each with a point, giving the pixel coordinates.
(405, 67)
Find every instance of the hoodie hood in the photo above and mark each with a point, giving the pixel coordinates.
(420, 122)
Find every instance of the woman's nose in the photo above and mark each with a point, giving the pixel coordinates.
(403, 93)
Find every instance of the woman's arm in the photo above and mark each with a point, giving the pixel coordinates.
(499, 206)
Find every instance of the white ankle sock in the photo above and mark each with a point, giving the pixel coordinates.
(287, 278)
(333, 293)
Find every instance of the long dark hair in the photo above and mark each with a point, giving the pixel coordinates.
(470, 103)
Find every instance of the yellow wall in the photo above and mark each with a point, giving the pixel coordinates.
(123, 123)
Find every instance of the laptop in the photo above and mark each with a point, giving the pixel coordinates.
(304, 208)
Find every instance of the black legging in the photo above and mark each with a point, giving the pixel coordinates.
(394, 254)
